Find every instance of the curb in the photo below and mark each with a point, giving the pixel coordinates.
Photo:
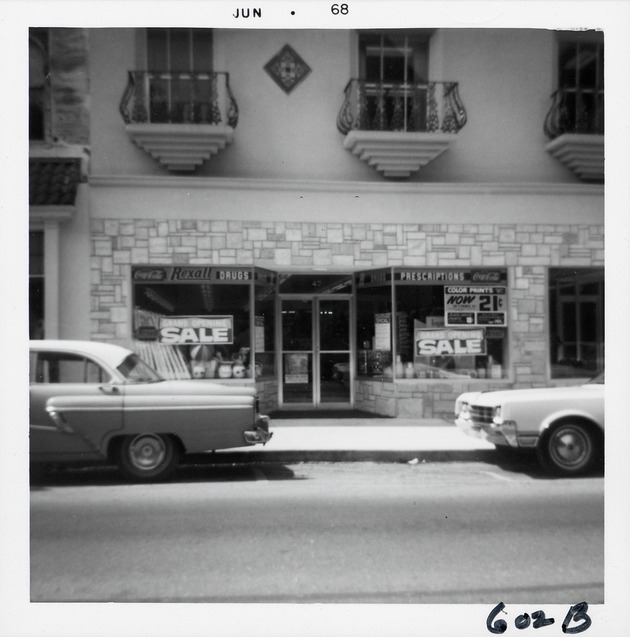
(296, 457)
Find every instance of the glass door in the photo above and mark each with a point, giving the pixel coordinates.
(334, 352)
(315, 360)
(297, 353)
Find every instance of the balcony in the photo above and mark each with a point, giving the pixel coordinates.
(399, 128)
(575, 126)
(180, 119)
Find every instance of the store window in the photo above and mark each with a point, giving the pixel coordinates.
(38, 73)
(264, 337)
(36, 284)
(181, 85)
(576, 314)
(581, 81)
(198, 322)
(445, 323)
(374, 319)
(393, 66)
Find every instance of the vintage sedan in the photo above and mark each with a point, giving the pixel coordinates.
(94, 401)
(564, 426)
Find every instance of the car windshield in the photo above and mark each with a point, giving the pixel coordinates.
(135, 370)
(598, 379)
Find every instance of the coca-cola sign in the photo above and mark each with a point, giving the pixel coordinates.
(487, 276)
(149, 274)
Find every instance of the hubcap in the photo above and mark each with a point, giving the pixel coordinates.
(570, 447)
(147, 452)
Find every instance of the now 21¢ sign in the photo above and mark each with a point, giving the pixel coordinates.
(475, 305)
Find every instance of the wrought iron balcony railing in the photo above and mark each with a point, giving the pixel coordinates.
(430, 107)
(575, 111)
(178, 98)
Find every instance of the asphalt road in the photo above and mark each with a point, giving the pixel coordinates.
(329, 533)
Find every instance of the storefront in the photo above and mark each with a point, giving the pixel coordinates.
(394, 341)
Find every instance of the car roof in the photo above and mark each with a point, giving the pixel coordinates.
(108, 353)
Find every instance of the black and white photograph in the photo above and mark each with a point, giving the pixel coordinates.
(307, 306)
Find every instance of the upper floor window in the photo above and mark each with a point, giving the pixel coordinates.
(181, 84)
(581, 81)
(393, 70)
(393, 57)
(179, 50)
(38, 74)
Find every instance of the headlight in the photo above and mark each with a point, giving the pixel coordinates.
(496, 416)
(464, 410)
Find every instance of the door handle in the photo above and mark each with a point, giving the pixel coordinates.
(109, 390)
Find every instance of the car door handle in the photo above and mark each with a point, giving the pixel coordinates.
(110, 390)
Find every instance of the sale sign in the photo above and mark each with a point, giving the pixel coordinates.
(449, 342)
(475, 305)
(196, 330)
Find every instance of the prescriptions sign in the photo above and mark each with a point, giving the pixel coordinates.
(449, 342)
(196, 330)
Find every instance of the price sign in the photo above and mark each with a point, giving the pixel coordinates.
(475, 305)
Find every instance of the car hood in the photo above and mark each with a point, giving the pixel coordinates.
(535, 394)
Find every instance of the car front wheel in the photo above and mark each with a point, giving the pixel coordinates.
(569, 449)
(148, 457)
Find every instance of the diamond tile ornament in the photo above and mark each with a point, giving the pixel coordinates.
(287, 69)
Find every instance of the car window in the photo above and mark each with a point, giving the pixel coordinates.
(62, 367)
(135, 370)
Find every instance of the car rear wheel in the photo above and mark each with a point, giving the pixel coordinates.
(148, 457)
(569, 448)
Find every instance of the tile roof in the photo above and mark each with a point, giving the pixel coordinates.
(54, 181)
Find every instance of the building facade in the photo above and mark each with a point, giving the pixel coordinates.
(371, 220)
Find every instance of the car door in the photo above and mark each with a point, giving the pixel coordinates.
(86, 402)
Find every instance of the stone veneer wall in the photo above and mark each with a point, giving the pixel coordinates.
(525, 249)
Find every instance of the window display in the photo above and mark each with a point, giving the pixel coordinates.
(196, 322)
(374, 323)
(449, 323)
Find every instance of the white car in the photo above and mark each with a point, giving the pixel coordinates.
(563, 425)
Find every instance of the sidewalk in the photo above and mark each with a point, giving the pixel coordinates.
(356, 439)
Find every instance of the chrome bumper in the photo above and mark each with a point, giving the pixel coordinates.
(261, 435)
(494, 437)
(469, 428)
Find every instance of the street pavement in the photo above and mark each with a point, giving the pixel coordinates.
(378, 439)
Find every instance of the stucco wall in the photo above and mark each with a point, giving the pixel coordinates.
(505, 76)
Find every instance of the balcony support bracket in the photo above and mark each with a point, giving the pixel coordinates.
(181, 147)
(397, 154)
(581, 154)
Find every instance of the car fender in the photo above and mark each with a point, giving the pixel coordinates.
(563, 414)
(201, 423)
(91, 419)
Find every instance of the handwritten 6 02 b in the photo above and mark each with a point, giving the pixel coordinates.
(576, 620)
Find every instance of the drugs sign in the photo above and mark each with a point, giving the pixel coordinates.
(475, 305)
(196, 330)
(449, 342)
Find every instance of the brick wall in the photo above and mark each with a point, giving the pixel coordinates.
(525, 249)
